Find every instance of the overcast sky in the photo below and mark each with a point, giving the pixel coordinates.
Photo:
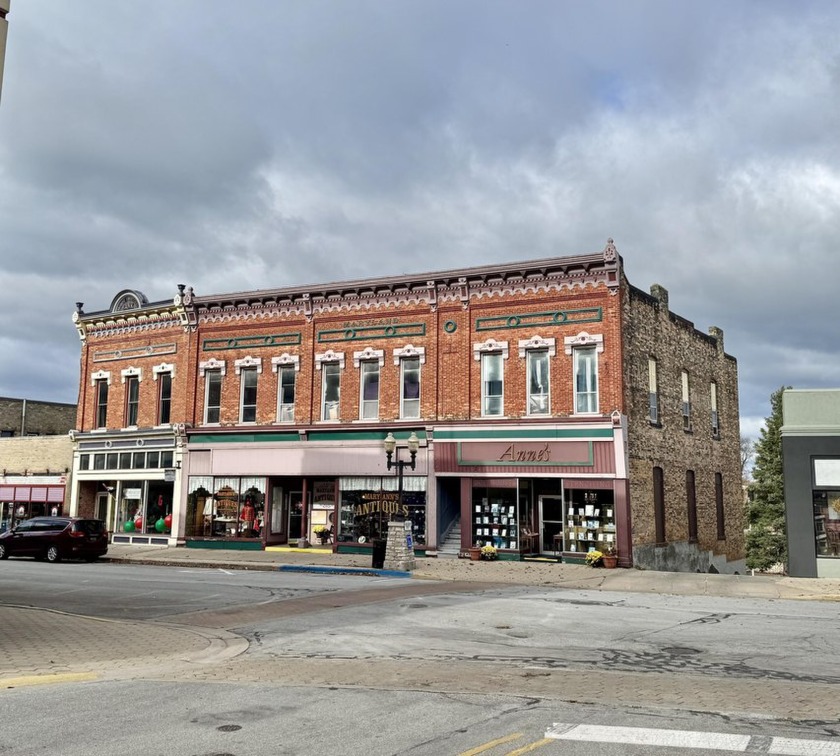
(276, 142)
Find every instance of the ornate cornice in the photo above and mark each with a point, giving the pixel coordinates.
(428, 290)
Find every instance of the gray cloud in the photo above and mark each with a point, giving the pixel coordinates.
(145, 146)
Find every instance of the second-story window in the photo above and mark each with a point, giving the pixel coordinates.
(492, 384)
(286, 394)
(164, 398)
(586, 380)
(653, 392)
(686, 401)
(369, 409)
(213, 397)
(132, 400)
(410, 388)
(248, 396)
(538, 383)
(102, 403)
(330, 391)
(715, 418)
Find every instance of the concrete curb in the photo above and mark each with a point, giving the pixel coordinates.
(374, 571)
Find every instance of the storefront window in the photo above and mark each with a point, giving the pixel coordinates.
(368, 504)
(13, 513)
(827, 523)
(495, 521)
(225, 507)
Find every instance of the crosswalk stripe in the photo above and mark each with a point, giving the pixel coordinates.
(708, 741)
(799, 747)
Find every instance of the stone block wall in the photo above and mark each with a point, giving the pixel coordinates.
(653, 331)
(25, 417)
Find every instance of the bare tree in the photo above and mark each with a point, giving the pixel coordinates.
(747, 453)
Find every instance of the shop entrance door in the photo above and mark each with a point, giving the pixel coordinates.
(100, 508)
(295, 515)
(551, 525)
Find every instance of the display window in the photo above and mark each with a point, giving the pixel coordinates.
(145, 508)
(589, 523)
(225, 507)
(827, 523)
(495, 519)
(368, 504)
(12, 513)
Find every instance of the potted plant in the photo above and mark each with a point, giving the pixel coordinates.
(475, 553)
(323, 533)
(489, 552)
(594, 558)
(610, 559)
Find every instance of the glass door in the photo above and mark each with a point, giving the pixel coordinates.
(551, 525)
(295, 514)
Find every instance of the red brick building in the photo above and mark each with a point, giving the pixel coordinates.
(552, 409)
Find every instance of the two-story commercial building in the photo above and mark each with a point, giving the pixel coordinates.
(556, 409)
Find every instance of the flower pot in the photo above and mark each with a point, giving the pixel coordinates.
(475, 553)
(609, 561)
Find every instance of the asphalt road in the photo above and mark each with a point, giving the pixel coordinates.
(368, 665)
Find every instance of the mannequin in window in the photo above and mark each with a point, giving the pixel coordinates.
(248, 517)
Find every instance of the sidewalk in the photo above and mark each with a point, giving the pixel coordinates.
(549, 574)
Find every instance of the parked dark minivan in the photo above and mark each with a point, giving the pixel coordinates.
(56, 538)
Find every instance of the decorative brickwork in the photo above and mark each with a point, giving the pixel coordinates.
(577, 313)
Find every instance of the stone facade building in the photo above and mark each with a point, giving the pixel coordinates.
(518, 400)
(26, 417)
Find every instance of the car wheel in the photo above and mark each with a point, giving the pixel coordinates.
(52, 554)
(4, 552)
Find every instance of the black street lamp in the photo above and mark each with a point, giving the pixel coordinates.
(390, 446)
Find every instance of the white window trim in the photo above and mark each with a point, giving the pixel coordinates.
(212, 364)
(329, 356)
(537, 343)
(491, 345)
(100, 375)
(285, 360)
(584, 339)
(368, 355)
(409, 350)
(164, 367)
(248, 363)
(132, 372)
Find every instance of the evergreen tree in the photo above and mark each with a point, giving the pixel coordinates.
(766, 537)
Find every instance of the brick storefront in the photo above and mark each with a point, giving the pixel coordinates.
(524, 384)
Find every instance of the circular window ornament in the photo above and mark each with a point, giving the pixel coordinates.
(450, 326)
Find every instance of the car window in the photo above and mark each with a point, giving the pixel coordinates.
(92, 527)
(24, 527)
